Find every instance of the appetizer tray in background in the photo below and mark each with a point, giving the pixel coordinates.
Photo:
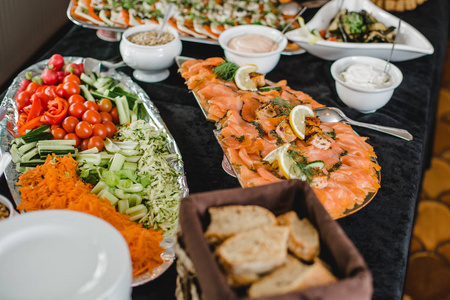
(150, 114)
(196, 21)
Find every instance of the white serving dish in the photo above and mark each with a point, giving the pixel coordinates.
(61, 254)
(410, 43)
(5, 201)
(363, 99)
(265, 61)
(151, 63)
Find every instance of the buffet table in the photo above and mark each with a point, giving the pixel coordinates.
(382, 230)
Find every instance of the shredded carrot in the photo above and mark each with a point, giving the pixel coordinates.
(56, 185)
(125, 16)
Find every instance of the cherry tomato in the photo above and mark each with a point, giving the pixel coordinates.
(114, 115)
(83, 130)
(105, 116)
(77, 110)
(96, 141)
(84, 144)
(58, 133)
(72, 78)
(59, 90)
(99, 130)
(73, 136)
(76, 99)
(105, 105)
(32, 87)
(70, 88)
(69, 124)
(110, 128)
(92, 116)
(91, 105)
(22, 100)
(56, 62)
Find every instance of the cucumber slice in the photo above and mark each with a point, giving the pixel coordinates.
(316, 164)
(269, 88)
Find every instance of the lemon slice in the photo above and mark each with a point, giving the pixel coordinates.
(297, 119)
(242, 77)
(288, 166)
(273, 155)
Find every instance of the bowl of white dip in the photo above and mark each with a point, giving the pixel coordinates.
(253, 44)
(362, 84)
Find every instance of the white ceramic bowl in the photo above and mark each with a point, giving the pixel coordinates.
(265, 61)
(363, 99)
(410, 43)
(63, 254)
(5, 201)
(151, 63)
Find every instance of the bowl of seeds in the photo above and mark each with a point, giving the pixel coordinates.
(149, 54)
(6, 209)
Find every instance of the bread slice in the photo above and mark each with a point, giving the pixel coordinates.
(303, 239)
(229, 220)
(292, 276)
(254, 251)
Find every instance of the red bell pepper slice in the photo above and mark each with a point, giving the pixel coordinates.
(56, 111)
(35, 109)
(30, 125)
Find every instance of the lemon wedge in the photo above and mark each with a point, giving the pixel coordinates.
(273, 155)
(288, 166)
(297, 119)
(242, 77)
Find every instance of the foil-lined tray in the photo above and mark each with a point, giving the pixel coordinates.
(8, 130)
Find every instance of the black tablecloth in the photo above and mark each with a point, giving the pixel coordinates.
(382, 230)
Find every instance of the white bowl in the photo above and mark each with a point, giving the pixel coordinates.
(5, 201)
(151, 63)
(265, 61)
(363, 99)
(410, 43)
(62, 254)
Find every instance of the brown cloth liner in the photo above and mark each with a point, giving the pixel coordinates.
(355, 279)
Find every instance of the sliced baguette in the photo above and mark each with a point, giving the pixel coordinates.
(292, 276)
(254, 251)
(303, 239)
(229, 220)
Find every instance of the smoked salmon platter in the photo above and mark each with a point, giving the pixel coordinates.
(196, 21)
(264, 142)
(163, 195)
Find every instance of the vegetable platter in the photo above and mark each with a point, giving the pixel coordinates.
(270, 133)
(120, 174)
(196, 21)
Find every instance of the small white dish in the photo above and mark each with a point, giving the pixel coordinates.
(264, 61)
(61, 254)
(410, 43)
(363, 99)
(5, 201)
(151, 63)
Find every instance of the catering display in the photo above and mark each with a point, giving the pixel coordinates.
(358, 28)
(269, 133)
(95, 143)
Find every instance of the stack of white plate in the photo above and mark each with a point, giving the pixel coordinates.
(59, 254)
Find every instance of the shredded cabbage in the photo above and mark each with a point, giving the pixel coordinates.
(162, 195)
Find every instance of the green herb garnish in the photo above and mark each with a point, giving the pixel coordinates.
(226, 70)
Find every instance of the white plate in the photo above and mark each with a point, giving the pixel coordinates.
(410, 43)
(60, 254)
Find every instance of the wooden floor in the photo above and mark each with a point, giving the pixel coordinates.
(428, 275)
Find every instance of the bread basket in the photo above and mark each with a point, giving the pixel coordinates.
(200, 276)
